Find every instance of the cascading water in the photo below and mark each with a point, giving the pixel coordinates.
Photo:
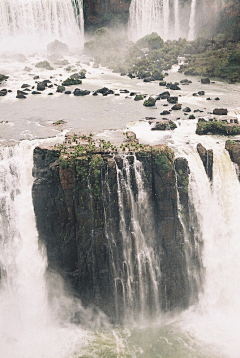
(28, 25)
(215, 320)
(192, 21)
(154, 16)
(137, 276)
(147, 17)
(177, 20)
(27, 327)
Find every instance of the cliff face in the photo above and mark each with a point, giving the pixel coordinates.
(111, 225)
(98, 13)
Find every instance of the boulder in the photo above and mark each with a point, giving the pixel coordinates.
(3, 92)
(3, 78)
(57, 47)
(187, 109)
(172, 100)
(36, 92)
(205, 80)
(174, 87)
(25, 85)
(165, 113)
(201, 93)
(72, 82)
(220, 111)
(164, 95)
(60, 89)
(79, 92)
(138, 97)
(177, 107)
(164, 125)
(44, 64)
(41, 86)
(150, 102)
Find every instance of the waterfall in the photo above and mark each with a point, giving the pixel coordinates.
(149, 16)
(177, 20)
(31, 24)
(192, 21)
(27, 327)
(215, 320)
(137, 273)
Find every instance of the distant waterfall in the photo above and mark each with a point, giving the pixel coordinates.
(147, 17)
(177, 20)
(31, 24)
(192, 20)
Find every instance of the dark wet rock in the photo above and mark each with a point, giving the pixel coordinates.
(3, 92)
(208, 99)
(165, 113)
(185, 81)
(172, 100)
(173, 86)
(124, 91)
(67, 92)
(95, 93)
(220, 111)
(191, 116)
(72, 82)
(150, 102)
(165, 105)
(57, 47)
(147, 80)
(79, 92)
(177, 107)
(36, 77)
(103, 90)
(201, 93)
(21, 95)
(195, 94)
(162, 83)
(41, 86)
(205, 80)
(217, 99)
(60, 89)
(36, 92)
(164, 95)
(207, 159)
(187, 109)
(25, 85)
(3, 78)
(198, 111)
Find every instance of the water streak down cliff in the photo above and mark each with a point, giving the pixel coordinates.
(111, 224)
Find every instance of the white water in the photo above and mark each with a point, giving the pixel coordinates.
(139, 257)
(177, 20)
(27, 324)
(149, 16)
(216, 319)
(29, 25)
(192, 20)
(154, 16)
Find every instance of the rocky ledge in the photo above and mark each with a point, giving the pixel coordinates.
(85, 196)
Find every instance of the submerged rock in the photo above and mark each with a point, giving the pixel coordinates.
(44, 64)
(57, 47)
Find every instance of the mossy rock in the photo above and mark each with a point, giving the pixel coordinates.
(44, 64)
(217, 127)
(72, 82)
(150, 102)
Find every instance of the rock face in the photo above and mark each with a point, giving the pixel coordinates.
(207, 159)
(111, 225)
(99, 13)
(233, 147)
